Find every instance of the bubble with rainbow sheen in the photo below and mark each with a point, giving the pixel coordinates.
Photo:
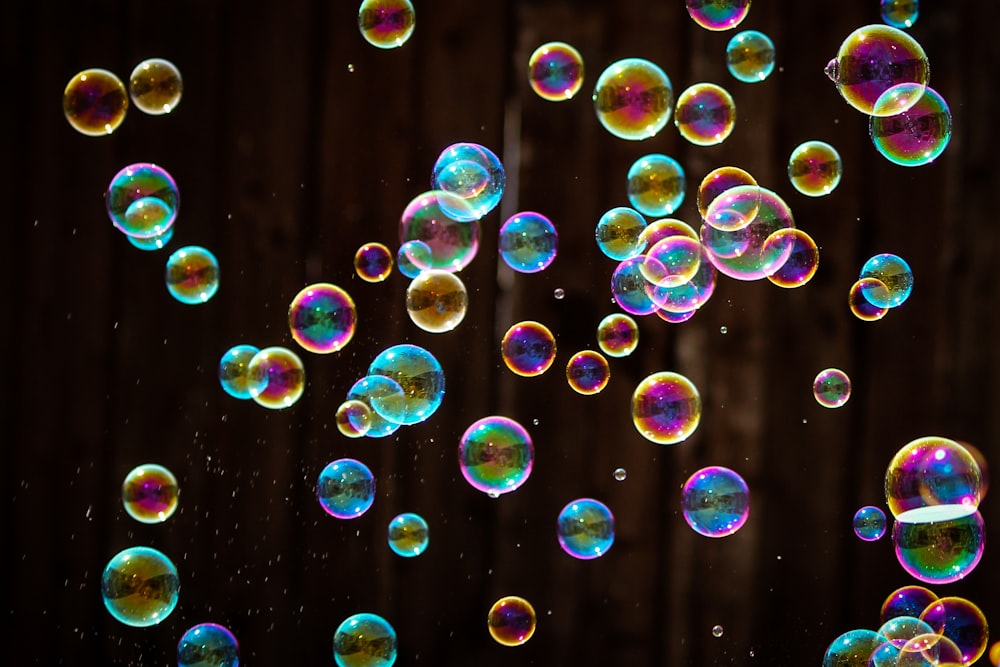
(895, 280)
(886, 655)
(678, 259)
(528, 348)
(869, 523)
(192, 274)
(208, 645)
(95, 102)
(354, 418)
(453, 244)
(666, 408)
(472, 173)
(155, 86)
(664, 228)
(617, 335)
(908, 600)
(718, 15)
(281, 374)
(853, 648)
(413, 257)
(386, 398)
(386, 24)
(528, 242)
(234, 372)
(899, 13)
(705, 114)
(733, 209)
(373, 262)
(656, 184)
(802, 261)
(831, 387)
(364, 391)
(689, 296)
(633, 99)
(149, 493)
(345, 488)
(815, 168)
(630, 289)
(860, 306)
(899, 630)
(153, 242)
(139, 181)
(322, 318)
(715, 501)
(420, 375)
(940, 551)
(927, 649)
(365, 640)
(961, 621)
(511, 620)
(585, 528)
(140, 586)
(555, 71)
(931, 479)
(618, 233)
(408, 535)
(588, 372)
(436, 301)
(496, 455)
(742, 254)
(718, 181)
(916, 136)
(873, 59)
(750, 56)
(147, 218)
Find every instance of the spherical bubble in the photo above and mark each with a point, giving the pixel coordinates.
(718, 181)
(234, 372)
(345, 488)
(873, 59)
(906, 601)
(633, 99)
(718, 14)
(666, 408)
(555, 71)
(436, 301)
(932, 479)
(741, 254)
(511, 620)
(620, 474)
(149, 493)
(408, 535)
(860, 306)
(869, 523)
(472, 173)
(148, 217)
(656, 185)
(734, 208)
(139, 181)
(386, 398)
(924, 650)
(618, 233)
(895, 280)
(832, 388)
(852, 649)
(940, 552)
(899, 630)
(814, 168)
(916, 136)
(961, 621)
(802, 261)
(363, 391)
(281, 374)
(717, 630)
(153, 242)
(208, 645)
(679, 257)
(95, 102)
(899, 13)
(386, 24)
(664, 228)
(414, 257)
(995, 654)
(528, 348)
(192, 274)
(687, 297)
(155, 86)
(140, 586)
(453, 244)
(715, 501)
(617, 335)
(559, 293)
(354, 418)
(373, 262)
(706, 114)
(586, 529)
(632, 291)
(528, 242)
(588, 372)
(495, 455)
(750, 56)
(322, 318)
(364, 640)
(886, 655)
(420, 375)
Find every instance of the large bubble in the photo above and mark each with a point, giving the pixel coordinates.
(322, 318)
(420, 375)
(915, 136)
(666, 408)
(140, 586)
(345, 488)
(495, 455)
(586, 529)
(715, 501)
(365, 640)
(932, 479)
(473, 174)
(633, 99)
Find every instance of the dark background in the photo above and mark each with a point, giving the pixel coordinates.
(287, 161)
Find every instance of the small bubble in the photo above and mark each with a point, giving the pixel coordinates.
(350, 67)
(620, 474)
(559, 293)
(492, 493)
(723, 330)
(535, 421)
(717, 631)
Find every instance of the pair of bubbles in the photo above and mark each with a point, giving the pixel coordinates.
(885, 282)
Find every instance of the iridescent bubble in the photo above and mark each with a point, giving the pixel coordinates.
(322, 318)
(906, 601)
(674, 318)
(831, 388)
(586, 529)
(932, 479)
(149, 493)
(718, 181)
(588, 372)
(528, 242)
(559, 293)
(354, 418)
(895, 280)
(414, 257)
(664, 228)
(386, 398)
(408, 535)
(899, 630)
(495, 455)
(886, 655)
(693, 294)
(420, 375)
(373, 262)
(869, 523)
(234, 372)
(472, 173)
(345, 488)
(718, 14)
(617, 335)
(281, 374)
(666, 408)
(155, 86)
(916, 136)
(620, 474)
(618, 233)
(511, 620)
(192, 274)
(208, 645)
(860, 306)
(814, 168)
(900, 13)
(803, 257)
(925, 650)
(139, 181)
(632, 291)
(364, 640)
(95, 102)
(436, 301)
(715, 501)
(679, 257)
(386, 24)
(717, 630)
(750, 56)
(364, 391)
(153, 242)
(733, 209)
(852, 649)
(961, 621)
(706, 114)
(995, 654)
(633, 99)
(741, 254)
(528, 348)
(555, 71)
(940, 552)
(140, 586)
(453, 244)
(148, 218)
(656, 185)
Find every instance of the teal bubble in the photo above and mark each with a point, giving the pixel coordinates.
(496, 455)
(140, 586)
(915, 136)
(528, 242)
(899, 630)
(854, 648)
(234, 373)
(619, 232)
(750, 56)
(453, 244)
(656, 185)
(895, 280)
(192, 275)
(899, 13)
(940, 552)
(414, 257)
(153, 242)
(140, 181)
(387, 398)
(420, 375)
(345, 488)
(364, 640)
(408, 535)
(378, 427)
(586, 529)
(715, 501)
(472, 173)
(148, 217)
(208, 645)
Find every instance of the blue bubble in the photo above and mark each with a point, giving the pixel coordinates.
(153, 242)
(586, 529)
(420, 375)
(619, 232)
(364, 640)
(869, 523)
(750, 56)
(474, 174)
(528, 242)
(208, 645)
(656, 185)
(853, 648)
(408, 535)
(140, 586)
(378, 427)
(234, 376)
(895, 280)
(346, 488)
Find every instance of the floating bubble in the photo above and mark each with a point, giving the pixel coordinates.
(961, 621)
(281, 374)
(139, 181)
(860, 306)
(718, 181)
(617, 335)
(364, 640)
(717, 630)
(95, 102)
(750, 56)
(832, 388)
(803, 257)
(322, 318)
(852, 649)
(420, 375)
(664, 228)
(586, 529)
(674, 318)
(386, 24)
(511, 620)
(453, 244)
(900, 13)
(618, 233)
(208, 645)
(364, 391)
(895, 280)
(899, 630)
(715, 501)
(408, 535)
(148, 218)
(666, 408)
(718, 14)
(734, 209)
(528, 348)
(940, 552)
(192, 274)
(633, 99)
(932, 479)
(153, 242)
(472, 173)
(588, 372)
(632, 291)
(687, 297)
(354, 418)
(742, 254)
(679, 257)
(234, 372)
(620, 474)
(916, 136)
(706, 114)
(386, 398)
(373, 262)
(559, 293)
(869, 523)
(155, 86)
(140, 586)
(925, 650)
(346, 488)
(149, 493)
(906, 601)
(528, 242)
(814, 168)
(436, 301)
(555, 71)
(495, 455)
(414, 257)
(656, 185)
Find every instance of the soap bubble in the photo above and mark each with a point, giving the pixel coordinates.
(656, 185)
(414, 257)
(528, 348)
(852, 649)
(803, 257)
(718, 14)
(364, 391)
(345, 488)
(733, 209)
(666, 408)
(153, 242)
(528, 242)
(916, 136)
(899, 630)
(139, 181)
(408, 535)
(436, 301)
(906, 601)
(706, 114)
(750, 56)
(718, 181)
(322, 318)
(386, 24)
(744, 254)
(899, 13)
(281, 374)
(617, 335)
(386, 398)
(95, 102)
(192, 274)
(618, 233)
(932, 479)
(886, 655)
(940, 551)
(149, 493)
(869, 523)
(373, 262)
(140, 586)
(354, 418)
(420, 375)
(364, 640)
(511, 620)
(555, 71)
(234, 372)
(632, 291)
(895, 280)
(860, 306)
(148, 218)
(832, 388)
(472, 173)
(453, 244)
(814, 168)
(678, 259)
(155, 86)
(208, 645)
(961, 621)
(586, 529)
(717, 630)
(662, 229)
(587, 372)
(495, 455)
(715, 501)
(620, 474)
(633, 99)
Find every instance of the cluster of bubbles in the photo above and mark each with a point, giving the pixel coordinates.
(885, 282)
